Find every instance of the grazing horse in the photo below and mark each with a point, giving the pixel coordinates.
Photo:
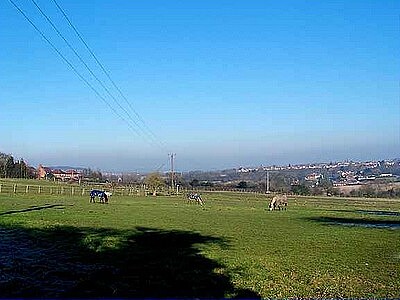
(278, 202)
(103, 196)
(194, 197)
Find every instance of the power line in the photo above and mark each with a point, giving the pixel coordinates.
(104, 70)
(81, 77)
(89, 69)
(71, 65)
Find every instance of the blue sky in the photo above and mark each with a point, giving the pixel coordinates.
(220, 83)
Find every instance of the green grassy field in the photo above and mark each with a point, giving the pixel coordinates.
(55, 246)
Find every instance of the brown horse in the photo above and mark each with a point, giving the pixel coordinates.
(278, 202)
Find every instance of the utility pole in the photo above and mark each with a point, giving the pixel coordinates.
(267, 182)
(172, 156)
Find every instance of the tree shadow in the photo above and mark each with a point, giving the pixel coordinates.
(368, 223)
(70, 262)
(385, 213)
(46, 206)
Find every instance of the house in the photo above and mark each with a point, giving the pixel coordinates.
(58, 174)
(313, 177)
(66, 175)
(43, 172)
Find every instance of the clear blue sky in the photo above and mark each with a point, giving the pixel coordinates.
(221, 83)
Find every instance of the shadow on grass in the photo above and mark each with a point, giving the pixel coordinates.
(369, 223)
(371, 212)
(71, 262)
(57, 206)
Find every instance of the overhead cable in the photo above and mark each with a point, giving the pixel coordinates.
(107, 73)
(81, 77)
(90, 70)
(71, 66)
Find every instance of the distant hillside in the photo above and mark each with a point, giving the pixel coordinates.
(68, 168)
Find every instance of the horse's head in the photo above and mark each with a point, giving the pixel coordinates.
(109, 194)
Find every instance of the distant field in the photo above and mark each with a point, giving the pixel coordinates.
(57, 246)
(379, 186)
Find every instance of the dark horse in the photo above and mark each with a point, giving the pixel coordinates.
(103, 196)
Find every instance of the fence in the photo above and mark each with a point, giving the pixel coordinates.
(66, 190)
(76, 190)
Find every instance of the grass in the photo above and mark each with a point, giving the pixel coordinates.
(56, 246)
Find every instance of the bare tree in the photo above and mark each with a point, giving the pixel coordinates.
(154, 182)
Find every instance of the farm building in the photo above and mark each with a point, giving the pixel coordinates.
(58, 174)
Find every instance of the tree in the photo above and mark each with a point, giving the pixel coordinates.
(154, 182)
(93, 175)
(17, 169)
(194, 183)
(9, 166)
(3, 159)
(179, 180)
(368, 191)
(326, 185)
(242, 185)
(301, 190)
(278, 182)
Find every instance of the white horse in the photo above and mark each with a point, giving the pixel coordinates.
(278, 202)
(195, 197)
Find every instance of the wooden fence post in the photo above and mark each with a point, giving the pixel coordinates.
(83, 192)
(39, 190)
(0, 188)
(51, 190)
(15, 188)
(72, 191)
(27, 189)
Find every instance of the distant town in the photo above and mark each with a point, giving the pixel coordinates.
(341, 173)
